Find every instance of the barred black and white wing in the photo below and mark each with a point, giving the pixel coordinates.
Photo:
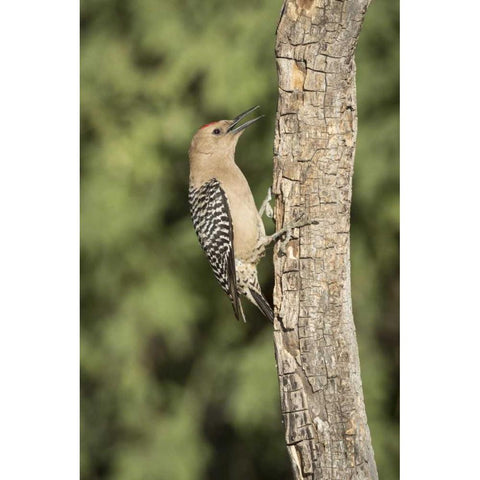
(213, 224)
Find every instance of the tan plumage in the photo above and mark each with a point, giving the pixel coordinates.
(214, 176)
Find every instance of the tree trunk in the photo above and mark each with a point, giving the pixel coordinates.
(315, 343)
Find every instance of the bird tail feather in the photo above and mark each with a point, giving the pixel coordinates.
(238, 310)
(262, 304)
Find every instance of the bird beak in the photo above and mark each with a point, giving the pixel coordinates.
(233, 128)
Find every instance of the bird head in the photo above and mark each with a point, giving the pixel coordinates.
(222, 136)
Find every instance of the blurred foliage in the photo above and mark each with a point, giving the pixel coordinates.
(172, 386)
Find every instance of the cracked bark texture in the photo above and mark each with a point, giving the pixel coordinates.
(321, 394)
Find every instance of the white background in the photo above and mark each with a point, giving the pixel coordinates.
(39, 240)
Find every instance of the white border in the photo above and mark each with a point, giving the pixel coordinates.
(39, 243)
(439, 240)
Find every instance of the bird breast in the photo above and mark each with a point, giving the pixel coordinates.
(247, 224)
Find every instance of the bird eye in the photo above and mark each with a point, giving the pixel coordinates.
(216, 131)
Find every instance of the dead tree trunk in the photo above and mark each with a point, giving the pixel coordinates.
(317, 355)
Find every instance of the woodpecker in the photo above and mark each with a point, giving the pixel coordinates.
(225, 218)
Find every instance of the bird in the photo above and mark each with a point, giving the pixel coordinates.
(225, 218)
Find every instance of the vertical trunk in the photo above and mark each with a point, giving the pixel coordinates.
(317, 356)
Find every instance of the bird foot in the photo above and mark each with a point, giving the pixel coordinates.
(266, 208)
(286, 232)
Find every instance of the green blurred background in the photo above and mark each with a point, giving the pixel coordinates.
(172, 386)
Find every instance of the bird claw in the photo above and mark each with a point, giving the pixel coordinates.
(287, 231)
(283, 243)
(266, 208)
(299, 223)
(269, 211)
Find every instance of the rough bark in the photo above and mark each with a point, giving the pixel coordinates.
(317, 355)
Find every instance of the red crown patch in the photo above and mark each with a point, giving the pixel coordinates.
(207, 124)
